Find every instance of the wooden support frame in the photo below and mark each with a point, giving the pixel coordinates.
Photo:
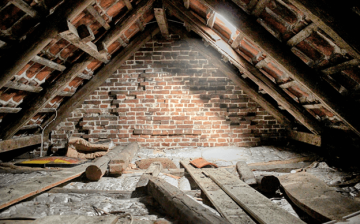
(211, 20)
(128, 4)
(71, 35)
(101, 76)
(291, 64)
(245, 67)
(17, 143)
(305, 137)
(130, 18)
(160, 16)
(98, 17)
(259, 7)
(343, 66)
(42, 36)
(187, 4)
(304, 33)
(25, 7)
(11, 110)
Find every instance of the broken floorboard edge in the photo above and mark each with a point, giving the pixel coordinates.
(14, 193)
(254, 203)
(180, 206)
(220, 200)
(111, 193)
(21, 142)
(305, 137)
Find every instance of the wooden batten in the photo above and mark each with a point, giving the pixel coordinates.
(305, 137)
(25, 7)
(48, 63)
(98, 17)
(23, 87)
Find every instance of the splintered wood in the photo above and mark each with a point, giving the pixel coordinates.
(222, 202)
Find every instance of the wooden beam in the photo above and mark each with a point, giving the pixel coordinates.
(37, 40)
(259, 7)
(77, 219)
(232, 212)
(287, 84)
(17, 143)
(71, 35)
(340, 67)
(11, 110)
(160, 16)
(47, 110)
(291, 64)
(317, 12)
(98, 17)
(259, 207)
(12, 124)
(128, 5)
(180, 206)
(121, 161)
(48, 63)
(130, 18)
(312, 106)
(304, 33)
(100, 77)
(65, 93)
(245, 67)
(306, 138)
(84, 76)
(237, 40)
(25, 7)
(14, 193)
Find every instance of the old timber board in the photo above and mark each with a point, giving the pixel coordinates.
(253, 202)
(314, 197)
(222, 202)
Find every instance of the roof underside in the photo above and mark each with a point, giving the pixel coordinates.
(309, 66)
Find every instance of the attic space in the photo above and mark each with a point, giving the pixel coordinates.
(179, 111)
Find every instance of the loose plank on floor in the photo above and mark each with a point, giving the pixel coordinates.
(254, 203)
(314, 197)
(222, 202)
(20, 191)
(77, 219)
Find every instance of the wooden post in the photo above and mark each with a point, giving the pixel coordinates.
(95, 171)
(41, 37)
(178, 205)
(100, 77)
(122, 160)
(160, 16)
(245, 173)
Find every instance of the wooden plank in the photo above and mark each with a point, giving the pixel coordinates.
(100, 77)
(23, 87)
(306, 137)
(128, 5)
(312, 106)
(48, 63)
(316, 198)
(43, 34)
(13, 123)
(178, 205)
(187, 4)
(162, 21)
(340, 67)
(17, 143)
(12, 110)
(121, 161)
(130, 18)
(47, 110)
(72, 36)
(14, 193)
(25, 7)
(304, 33)
(317, 12)
(254, 203)
(306, 77)
(84, 76)
(237, 40)
(65, 93)
(245, 67)
(287, 84)
(30, 126)
(259, 7)
(98, 17)
(221, 201)
(77, 219)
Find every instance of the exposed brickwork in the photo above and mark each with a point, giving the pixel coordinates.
(168, 96)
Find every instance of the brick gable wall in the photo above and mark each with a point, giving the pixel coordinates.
(168, 96)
